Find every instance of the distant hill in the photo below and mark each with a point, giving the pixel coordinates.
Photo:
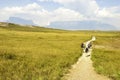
(18, 20)
(82, 25)
(27, 28)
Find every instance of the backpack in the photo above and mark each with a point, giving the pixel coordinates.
(86, 50)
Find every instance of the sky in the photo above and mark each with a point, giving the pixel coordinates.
(43, 12)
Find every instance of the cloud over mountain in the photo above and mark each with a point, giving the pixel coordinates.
(69, 10)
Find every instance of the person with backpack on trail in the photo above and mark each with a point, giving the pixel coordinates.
(87, 45)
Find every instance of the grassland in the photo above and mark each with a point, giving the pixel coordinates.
(47, 54)
(106, 55)
(37, 55)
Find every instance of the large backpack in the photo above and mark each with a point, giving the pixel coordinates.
(89, 45)
(86, 50)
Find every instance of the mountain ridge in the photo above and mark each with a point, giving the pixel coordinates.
(82, 25)
(27, 28)
(20, 21)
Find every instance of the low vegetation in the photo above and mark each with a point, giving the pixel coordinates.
(47, 54)
(37, 55)
(106, 55)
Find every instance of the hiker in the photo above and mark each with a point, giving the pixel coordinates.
(86, 50)
(82, 45)
(86, 46)
(90, 45)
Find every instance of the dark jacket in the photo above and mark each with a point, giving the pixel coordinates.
(82, 45)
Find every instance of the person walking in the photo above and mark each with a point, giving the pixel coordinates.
(87, 45)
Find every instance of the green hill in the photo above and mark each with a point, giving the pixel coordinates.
(29, 28)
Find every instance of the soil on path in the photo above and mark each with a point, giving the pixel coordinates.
(83, 69)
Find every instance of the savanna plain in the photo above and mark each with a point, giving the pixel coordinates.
(37, 53)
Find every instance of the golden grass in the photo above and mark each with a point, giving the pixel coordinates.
(47, 55)
(106, 57)
(37, 55)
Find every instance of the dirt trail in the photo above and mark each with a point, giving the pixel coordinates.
(83, 70)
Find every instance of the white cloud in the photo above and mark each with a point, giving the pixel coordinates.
(44, 0)
(11, 11)
(59, 1)
(63, 14)
(72, 10)
(39, 15)
(64, 1)
(112, 12)
(109, 15)
(104, 13)
(86, 7)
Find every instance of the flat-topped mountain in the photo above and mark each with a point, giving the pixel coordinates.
(21, 21)
(82, 25)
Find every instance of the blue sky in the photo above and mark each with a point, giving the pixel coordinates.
(43, 12)
(108, 3)
(51, 4)
(102, 3)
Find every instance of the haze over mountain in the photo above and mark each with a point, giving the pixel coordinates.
(68, 25)
(18, 20)
(45, 12)
(82, 25)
